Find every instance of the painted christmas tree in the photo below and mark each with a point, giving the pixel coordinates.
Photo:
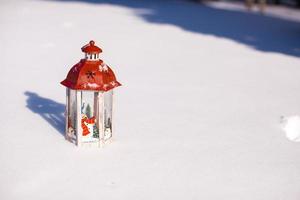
(95, 132)
(88, 111)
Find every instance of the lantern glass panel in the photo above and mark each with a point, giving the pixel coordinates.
(108, 109)
(72, 114)
(90, 131)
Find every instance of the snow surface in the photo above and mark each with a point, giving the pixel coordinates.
(291, 127)
(197, 117)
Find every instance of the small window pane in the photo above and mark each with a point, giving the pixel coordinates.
(71, 131)
(108, 97)
(90, 132)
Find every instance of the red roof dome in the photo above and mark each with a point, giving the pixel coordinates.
(91, 48)
(91, 74)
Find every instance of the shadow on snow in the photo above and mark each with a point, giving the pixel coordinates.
(49, 110)
(261, 32)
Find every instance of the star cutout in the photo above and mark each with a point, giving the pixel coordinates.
(90, 74)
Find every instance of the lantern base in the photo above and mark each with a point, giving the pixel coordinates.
(91, 144)
(98, 144)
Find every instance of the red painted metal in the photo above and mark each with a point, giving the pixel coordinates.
(91, 48)
(91, 75)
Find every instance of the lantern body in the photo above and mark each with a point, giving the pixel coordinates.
(89, 117)
(89, 100)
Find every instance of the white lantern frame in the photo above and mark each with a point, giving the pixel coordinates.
(103, 107)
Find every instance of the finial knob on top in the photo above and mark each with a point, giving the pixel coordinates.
(92, 43)
(91, 48)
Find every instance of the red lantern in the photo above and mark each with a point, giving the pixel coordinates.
(89, 106)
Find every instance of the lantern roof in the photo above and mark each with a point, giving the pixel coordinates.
(91, 48)
(91, 75)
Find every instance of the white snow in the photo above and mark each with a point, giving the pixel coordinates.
(291, 127)
(92, 85)
(103, 67)
(197, 116)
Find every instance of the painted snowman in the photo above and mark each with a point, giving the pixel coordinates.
(87, 125)
(107, 133)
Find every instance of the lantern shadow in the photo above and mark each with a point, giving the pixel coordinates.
(49, 110)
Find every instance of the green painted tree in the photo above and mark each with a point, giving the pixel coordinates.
(88, 111)
(95, 132)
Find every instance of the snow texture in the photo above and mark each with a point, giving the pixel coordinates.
(92, 85)
(197, 117)
(291, 127)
